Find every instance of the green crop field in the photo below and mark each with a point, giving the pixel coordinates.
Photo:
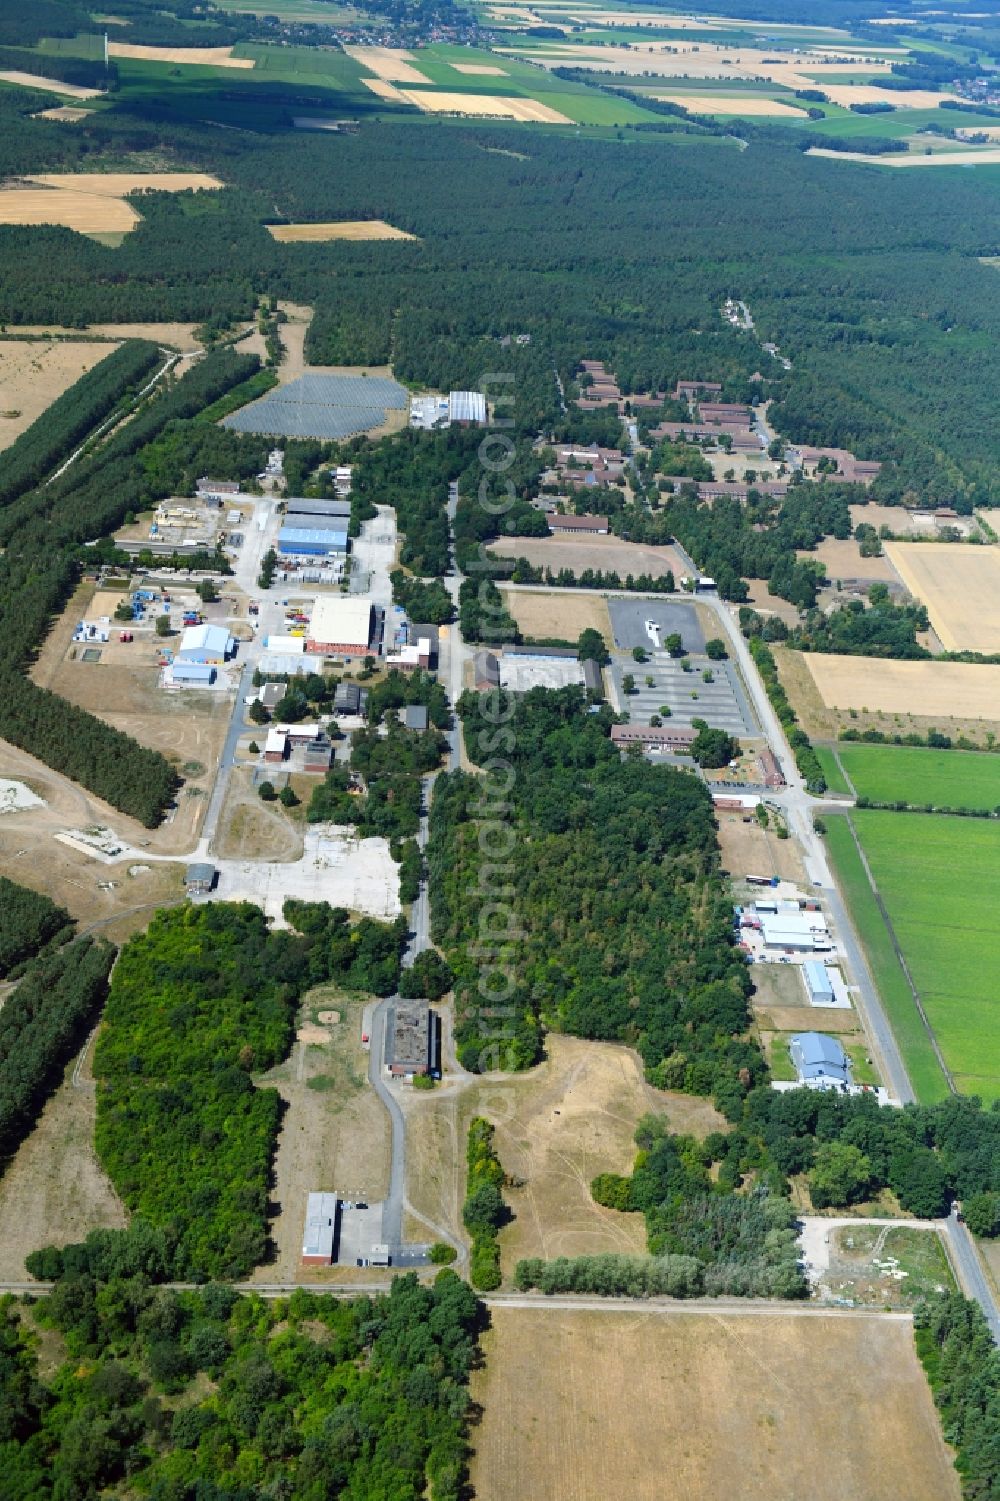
(835, 779)
(939, 880)
(911, 774)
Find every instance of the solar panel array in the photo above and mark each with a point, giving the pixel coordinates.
(321, 406)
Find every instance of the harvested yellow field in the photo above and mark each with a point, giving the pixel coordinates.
(480, 68)
(729, 104)
(89, 213)
(33, 372)
(558, 613)
(644, 1403)
(67, 113)
(342, 229)
(975, 156)
(384, 90)
(119, 184)
(487, 105)
(846, 94)
(954, 690)
(52, 85)
(215, 57)
(960, 587)
(390, 63)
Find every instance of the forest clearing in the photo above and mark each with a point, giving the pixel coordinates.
(342, 229)
(722, 1405)
(120, 184)
(34, 372)
(87, 213)
(960, 587)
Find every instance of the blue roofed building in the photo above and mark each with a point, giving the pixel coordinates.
(311, 542)
(819, 1061)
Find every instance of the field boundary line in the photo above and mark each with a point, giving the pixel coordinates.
(880, 904)
(844, 771)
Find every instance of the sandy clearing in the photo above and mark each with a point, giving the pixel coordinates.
(730, 104)
(480, 68)
(55, 1190)
(583, 1405)
(64, 112)
(558, 1125)
(611, 554)
(33, 372)
(486, 105)
(88, 213)
(384, 90)
(118, 184)
(960, 585)
(49, 85)
(843, 560)
(952, 689)
(343, 229)
(180, 335)
(981, 156)
(218, 57)
(387, 63)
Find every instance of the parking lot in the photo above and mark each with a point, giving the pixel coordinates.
(629, 617)
(722, 703)
(360, 1229)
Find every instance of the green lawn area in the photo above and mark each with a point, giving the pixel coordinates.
(939, 879)
(835, 779)
(911, 774)
(782, 1067)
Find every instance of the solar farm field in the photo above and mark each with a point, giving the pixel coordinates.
(937, 887)
(322, 406)
(922, 778)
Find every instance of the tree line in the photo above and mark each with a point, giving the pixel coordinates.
(206, 1393)
(28, 921)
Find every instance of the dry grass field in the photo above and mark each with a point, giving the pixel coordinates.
(846, 94)
(608, 553)
(843, 560)
(343, 229)
(489, 106)
(749, 850)
(951, 690)
(391, 64)
(730, 104)
(590, 1406)
(216, 57)
(972, 156)
(334, 1134)
(64, 112)
(55, 1190)
(557, 613)
(252, 830)
(120, 184)
(176, 335)
(557, 1126)
(52, 85)
(87, 213)
(477, 69)
(960, 587)
(33, 372)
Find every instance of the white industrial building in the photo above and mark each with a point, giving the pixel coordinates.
(414, 655)
(818, 983)
(191, 674)
(341, 625)
(803, 931)
(428, 412)
(205, 644)
(320, 1231)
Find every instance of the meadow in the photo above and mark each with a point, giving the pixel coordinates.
(939, 881)
(914, 775)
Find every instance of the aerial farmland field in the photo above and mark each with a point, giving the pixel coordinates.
(911, 774)
(588, 1405)
(938, 880)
